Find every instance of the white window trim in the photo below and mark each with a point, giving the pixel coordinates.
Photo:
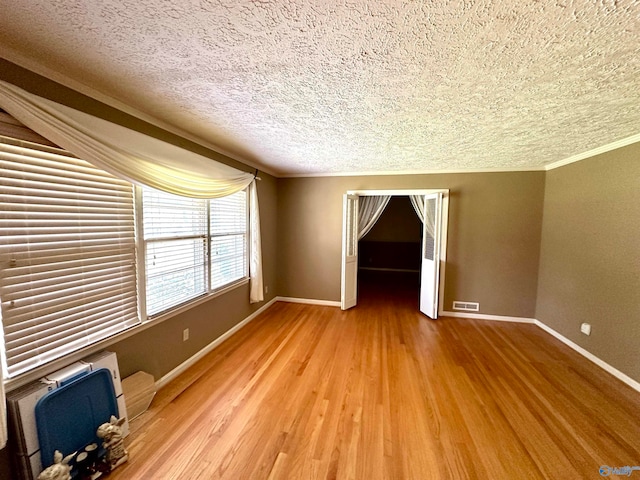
(141, 246)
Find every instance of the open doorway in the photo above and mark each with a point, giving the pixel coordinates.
(360, 216)
(389, 254)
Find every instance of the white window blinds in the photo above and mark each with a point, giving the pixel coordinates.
(67, 255)
(175, 235)
(192, 246)
(228, 239)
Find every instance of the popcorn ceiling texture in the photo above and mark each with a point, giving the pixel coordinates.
(305, 87)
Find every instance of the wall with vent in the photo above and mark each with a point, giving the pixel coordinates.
(495, 221)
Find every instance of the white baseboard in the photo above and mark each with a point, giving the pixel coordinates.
(192, 360)
(585, 353)
(309, 301)
(482, 316)
(590, 356)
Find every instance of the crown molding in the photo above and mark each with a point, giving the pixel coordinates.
(592, 153)
(13, 56)
(545, 168)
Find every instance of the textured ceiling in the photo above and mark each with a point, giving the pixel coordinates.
(305, 87)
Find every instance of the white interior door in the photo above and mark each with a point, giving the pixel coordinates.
(349, 290)
(431, 240)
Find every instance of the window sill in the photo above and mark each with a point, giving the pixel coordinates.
(194, 302)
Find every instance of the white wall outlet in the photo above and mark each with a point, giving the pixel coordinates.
(185, 335)
(266, 289)
(585, 328)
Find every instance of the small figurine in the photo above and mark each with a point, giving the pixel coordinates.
(60, 470)
(113, 443)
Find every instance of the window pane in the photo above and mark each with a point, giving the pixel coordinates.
(170, 216)
(175, 272)
(175, 233)
(229, 214)
(228, 259)
(228, 239)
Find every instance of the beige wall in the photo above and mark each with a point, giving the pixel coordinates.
(590, 256)
(495, 221)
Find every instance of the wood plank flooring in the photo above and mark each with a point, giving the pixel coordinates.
(382, 392)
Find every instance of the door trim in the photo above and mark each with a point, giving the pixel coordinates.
(444, 226)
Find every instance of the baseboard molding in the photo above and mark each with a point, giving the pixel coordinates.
(482, 316)
(192, 360)
(585, 353)
(590, 356)
(501, 318)
(309, 301)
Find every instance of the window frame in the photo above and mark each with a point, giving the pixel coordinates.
(209, 291)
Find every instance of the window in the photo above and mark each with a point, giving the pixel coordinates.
(67, 255)
(228, 220)
(70, 274)
(175, 235)
(192, 246)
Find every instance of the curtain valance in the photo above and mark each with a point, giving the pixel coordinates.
(125, 153)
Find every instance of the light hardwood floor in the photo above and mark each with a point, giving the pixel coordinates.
(382, 392)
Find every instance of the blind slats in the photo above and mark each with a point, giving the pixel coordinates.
(41, 286)
(48, 319)
(67, 255)
(63, 254)
(44, 304)
(50, 173)
(29, 337)
(192, 246)
(60, 345)
(39, 269)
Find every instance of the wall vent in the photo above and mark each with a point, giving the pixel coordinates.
(466, 306)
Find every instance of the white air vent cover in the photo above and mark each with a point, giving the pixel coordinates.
(466, 306)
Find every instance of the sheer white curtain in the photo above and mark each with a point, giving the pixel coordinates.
(256, 289)
(125, 153)
(371, 208)
(419, 205)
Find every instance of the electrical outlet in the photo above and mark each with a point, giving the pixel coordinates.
(266, 289)
(185, 335)
(585, 328)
